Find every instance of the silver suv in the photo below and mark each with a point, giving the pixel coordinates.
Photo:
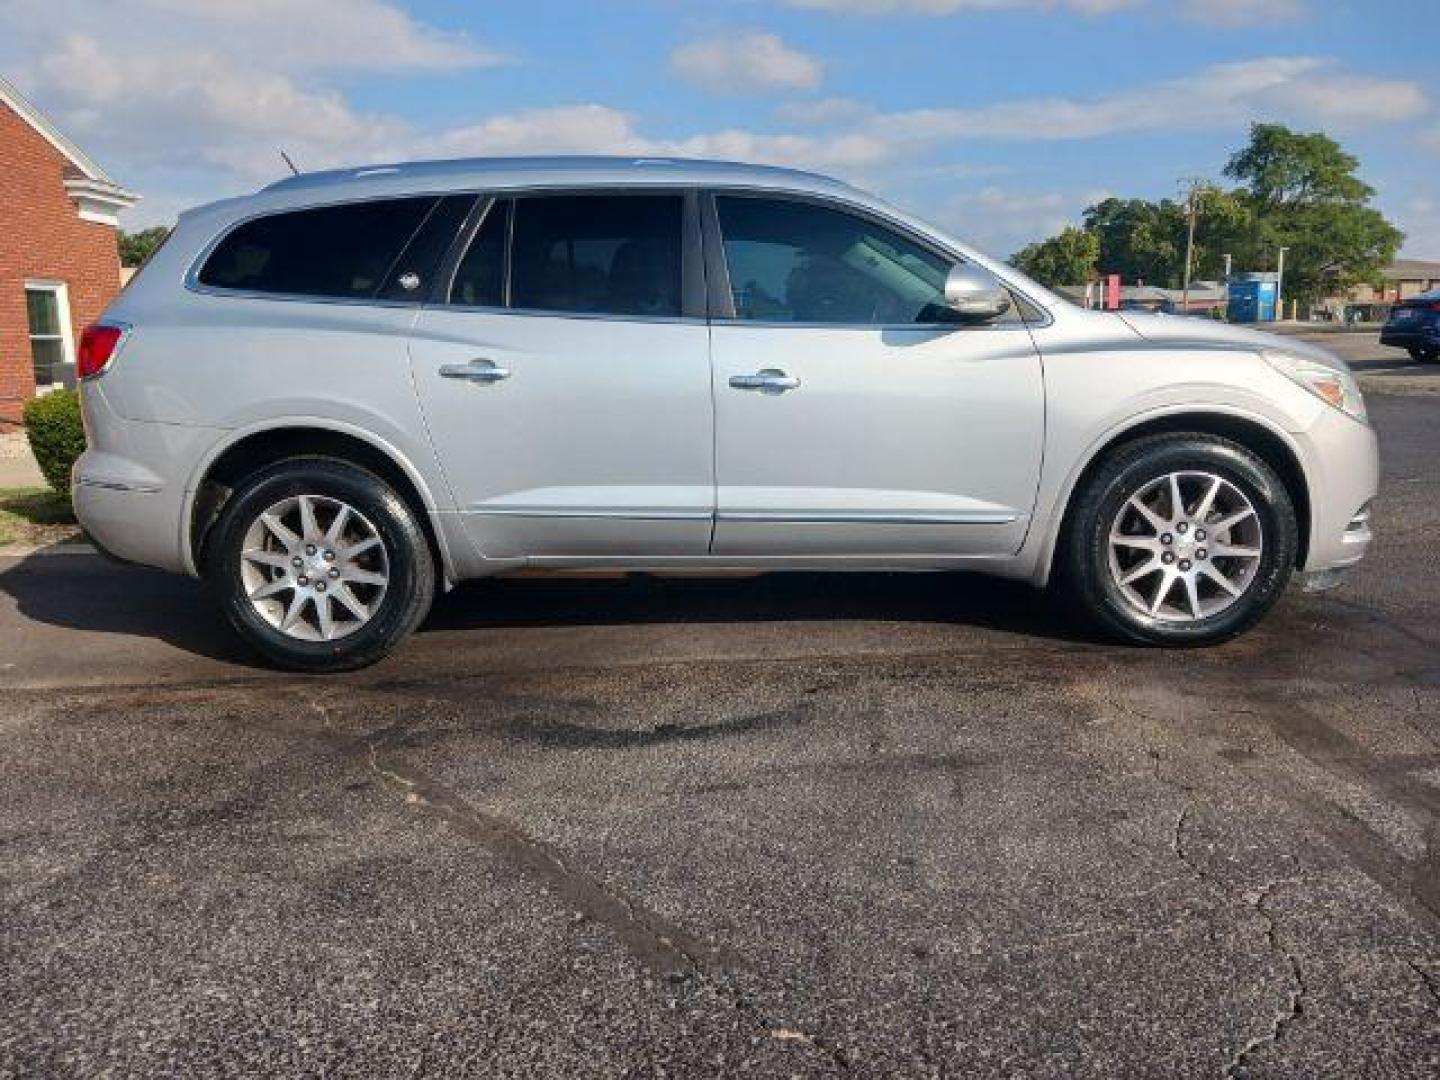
(338, 394)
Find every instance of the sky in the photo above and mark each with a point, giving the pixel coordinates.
(999, 120)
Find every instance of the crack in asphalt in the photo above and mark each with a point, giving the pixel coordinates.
(1257, 901)
(1295, 1007)
(1432, 986)
(660, 945)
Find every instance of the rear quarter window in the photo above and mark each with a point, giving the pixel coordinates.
(330, 251)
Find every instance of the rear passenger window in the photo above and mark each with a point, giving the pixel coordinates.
(330, 251)
(606, 254)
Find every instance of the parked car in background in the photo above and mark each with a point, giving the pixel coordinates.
(332, 397)
(1414, 325)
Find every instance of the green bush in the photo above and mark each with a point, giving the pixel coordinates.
(57, 435)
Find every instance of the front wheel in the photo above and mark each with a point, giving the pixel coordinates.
(1424, 356)
(320, 565)
(1180, 540)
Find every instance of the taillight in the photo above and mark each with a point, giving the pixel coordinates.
(98, 343)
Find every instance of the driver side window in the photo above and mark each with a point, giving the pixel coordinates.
(795, 261)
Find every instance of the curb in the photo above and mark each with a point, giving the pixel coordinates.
(24, 551)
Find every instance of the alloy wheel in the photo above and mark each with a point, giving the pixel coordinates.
(1185, 547)
(314, 568)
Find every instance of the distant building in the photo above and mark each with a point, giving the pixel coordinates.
(1204, 297)
(1400, 280)
(59, 263)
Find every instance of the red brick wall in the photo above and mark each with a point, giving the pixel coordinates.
(41, 236)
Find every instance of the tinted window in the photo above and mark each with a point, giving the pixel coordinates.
(480, 277)
(341, 251)
(797, 262)
(614, 254)
(411, 275)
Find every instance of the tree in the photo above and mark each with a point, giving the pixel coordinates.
(1303, 193)
(1067, 259)
(1140, 240)
(1298, 191)
(135, 248)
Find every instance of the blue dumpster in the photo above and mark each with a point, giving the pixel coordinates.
(1252, 298)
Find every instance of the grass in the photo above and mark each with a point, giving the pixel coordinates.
(35, 515)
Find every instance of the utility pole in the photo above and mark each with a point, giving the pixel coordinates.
(1227, 268)
(1280, 286)
(1194, 189)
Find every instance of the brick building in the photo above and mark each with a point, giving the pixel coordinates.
(59, 265)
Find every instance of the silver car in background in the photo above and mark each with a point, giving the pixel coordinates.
(352, 388)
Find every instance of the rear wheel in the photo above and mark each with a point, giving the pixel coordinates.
(1424, 355)
(320, 565)
(1180, 540)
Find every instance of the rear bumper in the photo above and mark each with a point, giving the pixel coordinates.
(127, 523)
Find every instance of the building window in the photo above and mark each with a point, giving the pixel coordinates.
(47, 305)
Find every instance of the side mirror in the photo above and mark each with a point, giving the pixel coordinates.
(975, 293)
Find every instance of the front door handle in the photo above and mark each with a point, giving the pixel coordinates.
(770, 381)
(481, 371)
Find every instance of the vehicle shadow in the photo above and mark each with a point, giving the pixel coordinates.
(638, 599)
(90, 594)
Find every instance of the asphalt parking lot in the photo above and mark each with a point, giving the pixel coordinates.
(875, 824)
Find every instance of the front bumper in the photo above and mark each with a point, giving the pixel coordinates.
(1342, 467)
(1425, 336)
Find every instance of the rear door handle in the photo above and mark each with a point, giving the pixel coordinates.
(481, 371)
(770, 380)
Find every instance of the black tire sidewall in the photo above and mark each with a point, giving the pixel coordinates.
(1126, 475)
(407, 596)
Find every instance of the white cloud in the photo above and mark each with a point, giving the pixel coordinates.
(313, 35)
(599, 129)
(745, 63)
(1239, 13)
(362, 35)
(1224, 13)
(194, 107)
(1306, 89)
(950, 7)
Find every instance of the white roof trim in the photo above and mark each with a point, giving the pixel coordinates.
(99, 180)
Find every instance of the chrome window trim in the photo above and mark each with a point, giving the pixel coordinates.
(888, 328)
(301, 298)
(545, 313)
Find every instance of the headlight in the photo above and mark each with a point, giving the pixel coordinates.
(1334, 386)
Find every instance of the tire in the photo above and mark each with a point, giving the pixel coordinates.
(1427, 356)
(1108, 538)
(374, 575)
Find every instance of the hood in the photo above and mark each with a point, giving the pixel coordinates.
(1206, 333)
